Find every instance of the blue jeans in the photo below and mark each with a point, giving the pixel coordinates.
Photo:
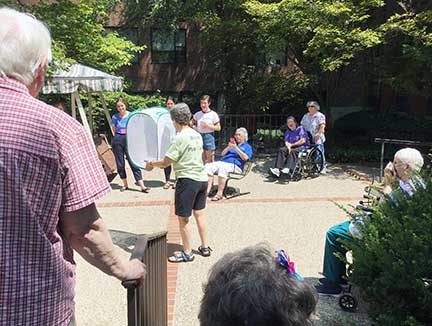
(120, 151)
(322, 150)
(208, 141)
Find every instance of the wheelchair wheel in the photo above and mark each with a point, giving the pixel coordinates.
(314, 162)
(347, 302)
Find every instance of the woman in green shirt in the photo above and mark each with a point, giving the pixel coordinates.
(185, 156)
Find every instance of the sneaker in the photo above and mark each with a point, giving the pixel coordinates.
(328, 288)
(275, 172)
(285, 171)
(324, 171)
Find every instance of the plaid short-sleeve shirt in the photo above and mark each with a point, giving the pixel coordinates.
(48, 163)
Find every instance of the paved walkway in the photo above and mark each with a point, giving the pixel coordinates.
(292, 216)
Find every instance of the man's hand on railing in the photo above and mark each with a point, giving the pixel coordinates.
(135, 270)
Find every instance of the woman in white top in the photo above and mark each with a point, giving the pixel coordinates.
(206, 122)
(315, 122)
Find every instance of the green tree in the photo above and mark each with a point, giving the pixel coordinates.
(322, 37)
(325, 41)
(234, 48)
(404, 59)
(78, 32)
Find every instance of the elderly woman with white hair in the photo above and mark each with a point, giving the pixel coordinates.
(233, 159)
(315, 122)
(403, 172)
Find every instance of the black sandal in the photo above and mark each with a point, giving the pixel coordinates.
(205, 251)
(124, 188)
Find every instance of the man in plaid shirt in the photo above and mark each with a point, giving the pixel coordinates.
(50, 177)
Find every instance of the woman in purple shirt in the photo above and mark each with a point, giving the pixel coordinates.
(296, 139)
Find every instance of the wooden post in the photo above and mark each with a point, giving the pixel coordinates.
(107, 115)
(82, 113)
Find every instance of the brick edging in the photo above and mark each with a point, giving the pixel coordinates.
(173, 237)
(354, 173)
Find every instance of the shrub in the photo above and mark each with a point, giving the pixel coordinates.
(392, 262)
(364, 126)
(358, 153)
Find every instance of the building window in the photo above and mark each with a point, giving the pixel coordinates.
(168, 46)
(131, 35)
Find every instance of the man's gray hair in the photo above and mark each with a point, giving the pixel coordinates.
(25, 45)
(181, 114)
(244, 132)
(411, 157)
(313, 103)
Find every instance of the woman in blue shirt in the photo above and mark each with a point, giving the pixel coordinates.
(296, 139)
(118, 125)
(233, 159)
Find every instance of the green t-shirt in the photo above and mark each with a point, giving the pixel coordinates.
(186, 152)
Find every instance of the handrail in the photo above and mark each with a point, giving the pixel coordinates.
(137, 253)
(402, 142)
(384, 141)
(147, 301)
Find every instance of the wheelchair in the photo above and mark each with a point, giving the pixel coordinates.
(347, 301)
(310, 162)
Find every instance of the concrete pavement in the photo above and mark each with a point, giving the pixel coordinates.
(292, 216)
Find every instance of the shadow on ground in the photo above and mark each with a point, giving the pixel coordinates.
(147, 183)
(154, 183)
(172, 248)
(329, 313)
(124, 240)
(263, 165)
(127, 240)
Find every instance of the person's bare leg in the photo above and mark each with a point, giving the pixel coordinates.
(185, 233)
(208, 156)
(125, 183)
(140, 183)
(211, 155)
(202, 226)
(221, 186)
(210, 183)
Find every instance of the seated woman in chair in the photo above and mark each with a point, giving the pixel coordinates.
(233, 159)
(296, 139)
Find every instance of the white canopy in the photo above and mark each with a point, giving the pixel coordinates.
(149, 134)
(80, 77)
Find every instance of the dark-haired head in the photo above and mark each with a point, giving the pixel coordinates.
(249, 288)
(170, 102)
